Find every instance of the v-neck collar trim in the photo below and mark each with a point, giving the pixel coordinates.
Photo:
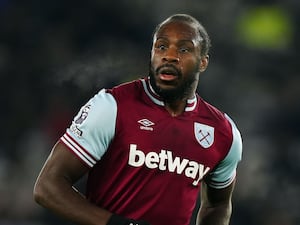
(190, 105)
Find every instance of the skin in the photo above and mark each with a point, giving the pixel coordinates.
(176, 45)
(54, 189)
(176, 64)
(182, 51)
(216, 205)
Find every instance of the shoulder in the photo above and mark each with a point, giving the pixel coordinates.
(100, 109)
(225, 128)
(229, 139)
(125, 90)
(214, 116)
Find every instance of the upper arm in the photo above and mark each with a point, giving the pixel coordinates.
(92, 129)
(225, 172)
(215, 205)
(83, 144)
(217, 188)
(211, 197)
(54, 188)
(62, 164)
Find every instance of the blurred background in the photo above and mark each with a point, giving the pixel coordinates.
(55, 55)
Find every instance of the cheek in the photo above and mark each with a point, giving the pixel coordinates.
(154, 60)
(190, 66)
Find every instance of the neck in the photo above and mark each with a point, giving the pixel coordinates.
(177, 107)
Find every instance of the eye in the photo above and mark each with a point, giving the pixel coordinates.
(162, 47)
(184, 49)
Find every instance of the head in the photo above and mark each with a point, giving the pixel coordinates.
(179, 54)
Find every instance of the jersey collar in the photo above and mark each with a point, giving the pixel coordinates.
(190, 106)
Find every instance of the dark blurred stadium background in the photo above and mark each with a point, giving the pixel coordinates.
(55, 54)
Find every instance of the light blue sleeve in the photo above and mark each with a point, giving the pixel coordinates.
(93, 128)
(225, 172)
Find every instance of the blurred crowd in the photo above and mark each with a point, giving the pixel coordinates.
(54, 55)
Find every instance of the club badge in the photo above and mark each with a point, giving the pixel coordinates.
(204, 134)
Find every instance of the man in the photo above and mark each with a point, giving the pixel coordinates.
(147, 145)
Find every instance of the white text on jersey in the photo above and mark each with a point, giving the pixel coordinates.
(165, 161)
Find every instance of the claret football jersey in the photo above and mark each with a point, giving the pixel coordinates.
(146, 164)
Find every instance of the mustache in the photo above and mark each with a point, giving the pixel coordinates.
(168, 66)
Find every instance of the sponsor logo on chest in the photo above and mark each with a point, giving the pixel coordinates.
(165, 161)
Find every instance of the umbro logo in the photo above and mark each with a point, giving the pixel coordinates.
(146, 124)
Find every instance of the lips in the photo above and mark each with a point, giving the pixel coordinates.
(168, 72)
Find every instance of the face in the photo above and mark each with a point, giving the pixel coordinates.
(176, 61)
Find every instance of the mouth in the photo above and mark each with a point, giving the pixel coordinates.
(168, 73)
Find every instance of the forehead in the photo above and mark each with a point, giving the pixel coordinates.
(178, 30)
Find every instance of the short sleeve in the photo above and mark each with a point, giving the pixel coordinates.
(93, 128)
(225, 172)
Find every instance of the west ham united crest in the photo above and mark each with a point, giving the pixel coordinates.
(204, 134)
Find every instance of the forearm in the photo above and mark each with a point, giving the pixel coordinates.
(218, 215)
(59, 196)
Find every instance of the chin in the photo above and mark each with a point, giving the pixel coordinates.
(169, 92)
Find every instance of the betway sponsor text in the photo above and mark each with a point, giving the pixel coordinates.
(164, 160)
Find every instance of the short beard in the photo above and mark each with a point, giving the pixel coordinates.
(171, 95)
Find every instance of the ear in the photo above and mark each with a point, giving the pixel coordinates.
(203, 63)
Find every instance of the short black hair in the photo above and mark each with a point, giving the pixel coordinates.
(205, 42)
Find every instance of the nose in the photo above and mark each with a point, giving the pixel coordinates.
(171, 55)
